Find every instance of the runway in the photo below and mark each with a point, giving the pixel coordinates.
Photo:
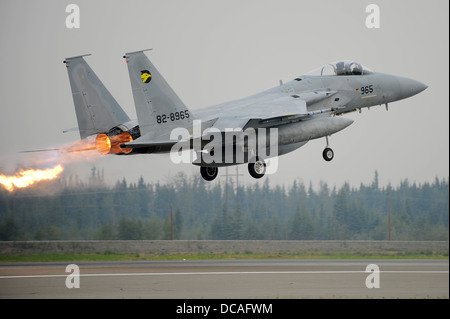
(224, 279)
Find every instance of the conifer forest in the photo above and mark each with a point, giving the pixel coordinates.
(189, 208)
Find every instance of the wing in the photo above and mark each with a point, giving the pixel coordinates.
(238, 116)
(261, 112)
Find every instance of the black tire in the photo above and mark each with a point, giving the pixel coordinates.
(257, 169)
(328, 154)
(209, 173)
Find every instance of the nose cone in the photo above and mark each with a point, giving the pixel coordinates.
(409, 87)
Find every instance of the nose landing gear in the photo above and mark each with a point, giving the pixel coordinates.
(327, 153)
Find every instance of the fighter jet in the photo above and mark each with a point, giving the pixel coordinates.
(283, 118)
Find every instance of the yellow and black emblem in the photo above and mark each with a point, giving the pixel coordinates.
(146, 76)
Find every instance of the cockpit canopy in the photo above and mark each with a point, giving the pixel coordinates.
(344, 67)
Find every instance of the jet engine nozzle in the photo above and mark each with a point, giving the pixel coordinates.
(111, 144)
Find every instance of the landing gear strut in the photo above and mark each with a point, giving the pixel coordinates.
(328, 153)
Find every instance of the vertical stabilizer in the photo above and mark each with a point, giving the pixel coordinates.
(158, 108)
(96, 109)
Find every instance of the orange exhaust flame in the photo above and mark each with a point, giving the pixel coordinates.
(81, 151)
(103, 144)
(80, 146)
(111, 144)
(88, 149)
(28, 177)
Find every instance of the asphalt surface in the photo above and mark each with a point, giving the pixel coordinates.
(223, 279)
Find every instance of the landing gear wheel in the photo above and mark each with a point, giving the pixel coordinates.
(209, 173)
(257, 169)
(328, 154)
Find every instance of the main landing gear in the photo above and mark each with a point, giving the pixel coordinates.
(209, 173)
(327, 153)
(257, 169)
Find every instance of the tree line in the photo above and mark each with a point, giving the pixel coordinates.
(72, 209)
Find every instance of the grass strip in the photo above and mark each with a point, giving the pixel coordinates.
(136, 256)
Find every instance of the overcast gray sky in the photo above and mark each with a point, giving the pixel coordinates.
(215, 51)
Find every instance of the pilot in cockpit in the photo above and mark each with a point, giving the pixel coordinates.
(356, 69)
(340, 68)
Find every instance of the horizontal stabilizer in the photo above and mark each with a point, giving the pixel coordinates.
(44, 150)
(145, 144)
(73, 129)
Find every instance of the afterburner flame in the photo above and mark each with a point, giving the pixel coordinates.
(111, 144)
(28, 177)
(103, 144)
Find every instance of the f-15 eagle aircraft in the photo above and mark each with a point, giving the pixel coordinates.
(301, 110)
